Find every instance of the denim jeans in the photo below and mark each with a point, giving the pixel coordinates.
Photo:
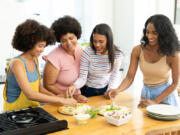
(152, 92)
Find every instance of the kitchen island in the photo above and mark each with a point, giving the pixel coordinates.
(139, 124)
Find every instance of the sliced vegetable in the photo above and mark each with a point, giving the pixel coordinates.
(93, 113)
(113, 108)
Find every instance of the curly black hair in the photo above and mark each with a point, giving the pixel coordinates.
(29, 33)
(64, 25)
(104, 29)
(167, 39)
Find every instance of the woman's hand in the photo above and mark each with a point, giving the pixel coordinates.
(44, 58)
(70, 91)
(69, 101)
(62, 94)
(146, 102)
(110, 94)
(81, 99)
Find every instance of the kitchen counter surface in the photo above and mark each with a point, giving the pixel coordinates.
(139, 124)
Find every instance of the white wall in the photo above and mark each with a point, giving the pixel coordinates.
(167, 8)
(126, 18)
(129, 19)
(10, 16)
(124, 24)
(95, 12)
(13, 12)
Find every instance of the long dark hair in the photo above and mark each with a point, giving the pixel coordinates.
(104, 29)
(167, 39)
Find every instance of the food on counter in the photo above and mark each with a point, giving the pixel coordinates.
(118, 117)
(118, 114)
(108, 108)
(70, 110)
(93, 113)
(82, 118)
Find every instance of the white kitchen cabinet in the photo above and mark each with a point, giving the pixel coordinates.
(1, 97)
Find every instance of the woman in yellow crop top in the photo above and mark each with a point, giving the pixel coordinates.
(157, 55)
(23, 84)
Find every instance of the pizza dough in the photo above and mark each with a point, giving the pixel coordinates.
(70, 110)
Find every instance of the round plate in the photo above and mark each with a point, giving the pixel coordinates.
(61, 111)
(160, 117)
(164, 110)
(70, 110)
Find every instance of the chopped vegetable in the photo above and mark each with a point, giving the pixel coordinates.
(113, 108)
(93, 113)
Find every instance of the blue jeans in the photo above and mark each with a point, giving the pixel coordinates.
(89, 91)
(152, 92)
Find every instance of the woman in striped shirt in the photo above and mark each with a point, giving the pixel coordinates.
(100, 63)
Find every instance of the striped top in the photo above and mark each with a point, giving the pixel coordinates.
(94, 70)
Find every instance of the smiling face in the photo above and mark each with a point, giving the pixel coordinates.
(38, 48)
(100, 43)
(69, 42)
(152, 35)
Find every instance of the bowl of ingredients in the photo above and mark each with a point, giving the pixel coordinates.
(117, 117)
(82, 118)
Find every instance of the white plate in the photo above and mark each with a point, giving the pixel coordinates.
(161, 117)
(163, 109)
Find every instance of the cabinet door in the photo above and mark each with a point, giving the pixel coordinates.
(1, 97)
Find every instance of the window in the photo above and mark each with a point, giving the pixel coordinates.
(177, 12)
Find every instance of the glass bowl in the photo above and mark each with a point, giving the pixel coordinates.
(82, 118)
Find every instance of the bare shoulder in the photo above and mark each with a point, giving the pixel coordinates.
(136, 50)
(176, 56)
(16, 63)
(174, 59)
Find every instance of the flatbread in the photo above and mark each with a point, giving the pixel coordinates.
(107, 108)
(70, 110)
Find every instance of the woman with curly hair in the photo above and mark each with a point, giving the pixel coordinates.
(23, 84)
(157, 55)
(63, 63)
